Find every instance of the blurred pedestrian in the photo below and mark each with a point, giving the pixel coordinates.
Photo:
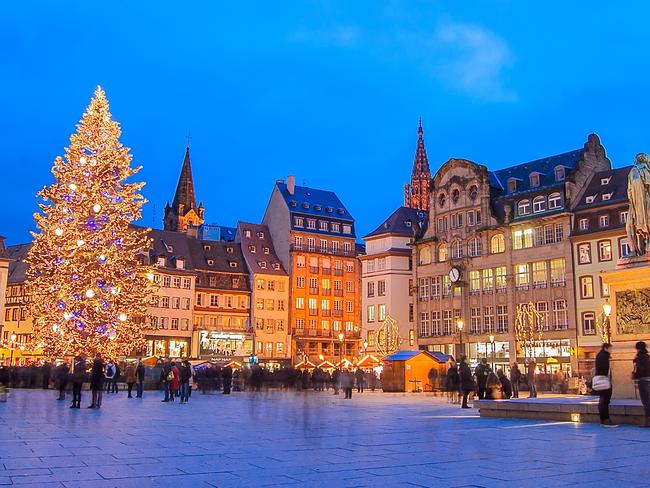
(360, 379)
(185, 374)
(78, 376)
(139, 376)
(452, 384)
(174, 384)
(602, 384)
(110, 376)
(227, 379)
(481, 372)
(347, 382)
(467, 384)
(642, 375)
(61, 374)
(129, 373)
(165, 377)
(97, 377)
(515, 377)
(506, 385)
(46, 370)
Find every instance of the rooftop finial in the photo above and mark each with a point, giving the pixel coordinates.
(420, 128)
(189, 138)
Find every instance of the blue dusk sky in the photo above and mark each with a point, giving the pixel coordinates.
(329, 91)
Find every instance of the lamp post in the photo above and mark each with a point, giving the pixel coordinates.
(607, 310)
(13, 344)
(365, 347)
(341, 336)
(460, 324)
(492, 347)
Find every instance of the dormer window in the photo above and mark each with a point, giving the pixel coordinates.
(590, 198)
(210, 262)
(266, 250)
(161, 260)
(323, 225)
(539, 204)
(229, 249)
(206, 247)
(512, 185)
(340, 211)
(554, 200)
(560, 173)
(407, 223)
(232, 264)
(180, 263)
(251, 248)
(247, 232)
(293, 203)
(330, 210)
(260, 234)
(263, 264)
(317, 208)
(235, 282)
(607, 196)
(276, 266)
(534, 180)
(305, 205)
(605, 181)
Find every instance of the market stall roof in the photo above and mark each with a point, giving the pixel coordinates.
(442, 357)
(368, 359)
(406, 355)
(345, 362)
(325, 364)
(305, 363)
(233, 364)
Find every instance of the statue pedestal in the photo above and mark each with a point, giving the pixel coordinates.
(629, 288)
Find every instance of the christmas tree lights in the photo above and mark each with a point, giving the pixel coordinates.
(88, 291)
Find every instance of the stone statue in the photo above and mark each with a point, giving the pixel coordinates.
(638, 193)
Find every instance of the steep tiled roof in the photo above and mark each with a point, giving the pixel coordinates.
(314, 202)
(421, 162)
(615, 190)
(17, 265)
(257, 249)
(545, 166)
(171, 245)
(401, 222)
(225, 257)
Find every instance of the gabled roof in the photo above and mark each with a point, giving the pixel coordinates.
(255, 239)
(185, 188)
(545, 166)
(171, 245)
(217, 256)
(17, 265)
(616, 188)
(402, 222)
(314, 202)
(406, 355)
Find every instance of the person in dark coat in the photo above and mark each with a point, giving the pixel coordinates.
(97, 381)
(347, 382)
(129, 373)
(185, 374)
(506, 385)
(174, 384)
(227, 379)
(482, 371)
(531, 376)
(139, 376)
(603, 369)
(61, 377)
(452, 384)
(360, 379)
(46, 369)
(642, 375)
(466, 381)
(336, 380)
(515, 378)
(165, 378)
(78, 376)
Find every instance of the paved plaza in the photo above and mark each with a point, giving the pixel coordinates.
(303, 439)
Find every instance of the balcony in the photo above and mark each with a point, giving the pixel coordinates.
(313, 311)
(325, 313)
(326, 271)
(313, 291)
(338, 293)
(338, 272)
(326, 291)
(337, 313)
(556, 283)
(328, 252)
(313, 269)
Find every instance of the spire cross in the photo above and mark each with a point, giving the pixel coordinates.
(188, 137)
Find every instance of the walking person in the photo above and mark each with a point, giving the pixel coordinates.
(531, 376)
(139, 376)
(61, 374)
(360, 379)
(185, 374)
(602, 384)
(642, 375)
(110, 375)
(227, 380)
(97, 377)
(481, 372)
(129, 372)
(467, 385)
(174, 384)
(452, 383)
(515, 377)
(78, 375)
(336, 380)
(166, 377)
(347, 382)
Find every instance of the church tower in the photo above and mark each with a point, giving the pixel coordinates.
(416, 195)
(183, 211)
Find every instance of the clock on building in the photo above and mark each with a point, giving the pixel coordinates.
(454, 274)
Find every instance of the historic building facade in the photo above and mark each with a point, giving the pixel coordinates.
(387, 281)
(222, 328)
(183, 212)
(599, 239)
(269, 295)
(16, 322)
(416, 194)
(498, 241)
(169, 320)
(314, 238)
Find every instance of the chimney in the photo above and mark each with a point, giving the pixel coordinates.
(291, 184)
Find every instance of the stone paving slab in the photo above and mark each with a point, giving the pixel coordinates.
(306, 439)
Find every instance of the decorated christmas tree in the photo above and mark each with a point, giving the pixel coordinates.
(88, 291)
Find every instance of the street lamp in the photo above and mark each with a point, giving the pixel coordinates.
(460, 324)
(341, 336)
(11, 355)
(492, 347)
(365, 346)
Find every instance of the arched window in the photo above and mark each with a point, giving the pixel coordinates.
(442, 199)
(559, 173)
(523, 207)
(473, 192)
(539, 204)
(457, 250)
(497, 244)
(442, 252)
(474, 247)
(554, 200)
(425, 255)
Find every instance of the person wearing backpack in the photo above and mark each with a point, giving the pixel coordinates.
(110, 375)
(642, 375)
